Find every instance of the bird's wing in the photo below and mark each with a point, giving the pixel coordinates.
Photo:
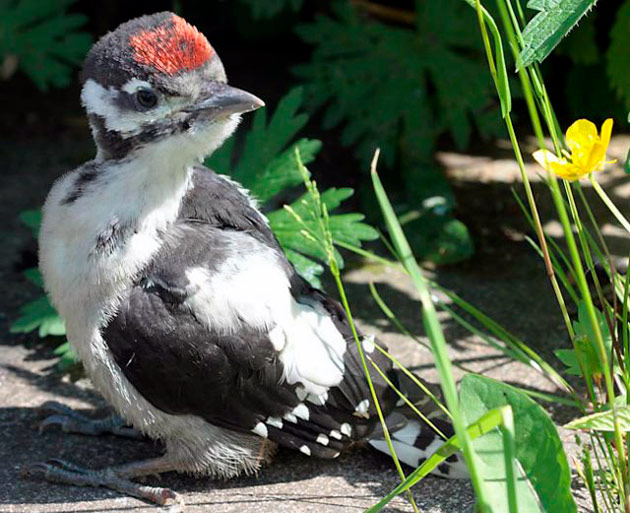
(219, 326)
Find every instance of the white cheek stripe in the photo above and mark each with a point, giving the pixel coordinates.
(132, 85)
(102, 102)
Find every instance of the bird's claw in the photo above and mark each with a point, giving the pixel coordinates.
(57, 470)
(61, 409)
(71, 421)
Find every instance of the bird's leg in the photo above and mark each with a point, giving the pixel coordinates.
(115, 478)
(71, 421)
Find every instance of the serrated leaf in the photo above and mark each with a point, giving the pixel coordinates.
(267, 161)
(396, 88)
(347, 228)
(282, 172)
(554, 21)
(45, 39)
(306, 267)
(602, 421)
(617, 55)
(544, 477)
(569, 358)
(39, 314)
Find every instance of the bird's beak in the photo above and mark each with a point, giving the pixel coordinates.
(221, 100)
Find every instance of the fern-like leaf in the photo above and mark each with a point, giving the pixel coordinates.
(300, 247)
(265, 165)
(43, 39)
(268, 165)
(39, 315)
(376, 79)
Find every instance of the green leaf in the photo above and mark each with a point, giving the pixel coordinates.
(554, 21)
(307, 268)
(44, 39)
(39, 314)
(67, 357)
(569, 358)
(586, 350)
(397, 88)
(617, 55)
(603, 421)
(440, 238)
(281, 172)
(347, 228)
(34, 276)
(267, 161)
(544, 477)
(32, 219)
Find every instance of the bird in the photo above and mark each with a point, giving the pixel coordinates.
(177, 297)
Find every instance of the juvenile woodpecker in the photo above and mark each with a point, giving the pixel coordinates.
(177, 297)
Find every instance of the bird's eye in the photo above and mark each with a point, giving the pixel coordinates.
(146, 98)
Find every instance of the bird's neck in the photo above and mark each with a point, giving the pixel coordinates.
(148, 181)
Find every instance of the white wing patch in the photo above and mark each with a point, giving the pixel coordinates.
(252, 287)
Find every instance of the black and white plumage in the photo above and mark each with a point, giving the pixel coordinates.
(251, 341)
(178, 299)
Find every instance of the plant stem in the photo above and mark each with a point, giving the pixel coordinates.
(435, 334)
(608, 202)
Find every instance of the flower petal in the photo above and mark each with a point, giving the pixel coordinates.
(581, 135)
(607, 127)
(567, 170)
(596, 158)
(545, 158)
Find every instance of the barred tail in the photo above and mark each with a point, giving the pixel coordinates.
(413, 439)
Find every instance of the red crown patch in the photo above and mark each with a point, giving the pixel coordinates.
(171, 49)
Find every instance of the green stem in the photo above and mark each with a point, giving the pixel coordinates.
(436, 337)
(608, 202)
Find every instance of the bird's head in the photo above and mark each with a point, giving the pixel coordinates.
(156, 81)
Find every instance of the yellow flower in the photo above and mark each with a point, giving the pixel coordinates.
(588, 151)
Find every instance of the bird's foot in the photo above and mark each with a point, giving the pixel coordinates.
(60, 471)
(71, 421)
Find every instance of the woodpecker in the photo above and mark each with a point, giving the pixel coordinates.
(177, 297)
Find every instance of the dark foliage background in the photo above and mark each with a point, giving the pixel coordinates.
(408, 76)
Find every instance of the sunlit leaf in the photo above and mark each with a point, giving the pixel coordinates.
(39, 314)
(544, 480)
(265, 164)
(603, 421)
(554, 21)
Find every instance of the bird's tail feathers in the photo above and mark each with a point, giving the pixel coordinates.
(413, 439)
